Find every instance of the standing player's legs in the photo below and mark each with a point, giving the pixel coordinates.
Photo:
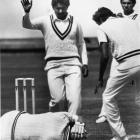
(102, 115)
(57, 89)
(137, 94)
(115, 86)
(73, 89)
(137, 90)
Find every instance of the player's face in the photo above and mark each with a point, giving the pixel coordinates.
(127, 6)
(60, 11)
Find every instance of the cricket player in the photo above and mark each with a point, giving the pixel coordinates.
(46, 126)
(128, 9)
(66, 54)
(128, 12)
(125, 49)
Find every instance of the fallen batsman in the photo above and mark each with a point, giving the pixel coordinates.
(16, 125)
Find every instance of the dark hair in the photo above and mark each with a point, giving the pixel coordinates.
(133, 1)
(65, 2)
(103, 14)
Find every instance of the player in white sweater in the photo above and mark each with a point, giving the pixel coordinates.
(128, 12)
(66, 54)
(128, 9)
(124, 44)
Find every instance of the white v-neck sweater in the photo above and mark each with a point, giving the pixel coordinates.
(69, 43)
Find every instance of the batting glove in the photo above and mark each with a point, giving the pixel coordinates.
(78, 131)
(85, 70)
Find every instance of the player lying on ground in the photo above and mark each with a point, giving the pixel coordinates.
(16, 125)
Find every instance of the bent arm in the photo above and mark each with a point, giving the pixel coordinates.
(26, 22)
(104, 53)
(35, 24)
(104, 57)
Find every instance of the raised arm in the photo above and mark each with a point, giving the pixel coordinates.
(27, 5)
(83, 51)
(27, 22)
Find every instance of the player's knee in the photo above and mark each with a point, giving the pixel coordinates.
(107, 98)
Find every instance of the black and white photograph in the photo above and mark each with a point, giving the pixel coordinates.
(70, 70)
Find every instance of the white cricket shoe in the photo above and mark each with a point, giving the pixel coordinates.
(117, 138)
(125, 138)
(101, 119)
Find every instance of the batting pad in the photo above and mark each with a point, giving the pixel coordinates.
(48, 126)
(6, 123)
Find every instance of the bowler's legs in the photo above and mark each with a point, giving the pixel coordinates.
(57, 89)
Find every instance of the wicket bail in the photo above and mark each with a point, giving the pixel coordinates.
(24, 84)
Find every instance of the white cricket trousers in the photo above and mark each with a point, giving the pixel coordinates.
(115, 85)
(114, 64)
(65, 85)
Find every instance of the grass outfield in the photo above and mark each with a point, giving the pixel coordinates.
(31, 64)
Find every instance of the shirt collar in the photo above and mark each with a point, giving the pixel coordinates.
(132, 14)
(56, 19)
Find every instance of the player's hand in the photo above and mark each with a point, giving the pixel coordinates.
(99, 85)
(119, 15)
(85, 70)
(78, 131)
(27, 5)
